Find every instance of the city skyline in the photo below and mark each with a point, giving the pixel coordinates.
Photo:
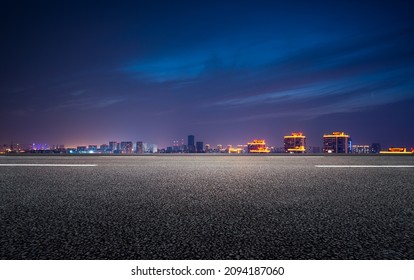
(294, 143)
(271, 142)
(227, 72)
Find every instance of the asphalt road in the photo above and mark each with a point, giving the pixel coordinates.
(206, 207)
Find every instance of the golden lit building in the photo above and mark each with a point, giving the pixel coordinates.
(235, 150)
(337, 143)
(397, 151)
(295, 143)
(257, 146)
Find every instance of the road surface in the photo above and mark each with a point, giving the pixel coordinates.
(207, 207)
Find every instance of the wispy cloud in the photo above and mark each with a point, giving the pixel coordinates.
(87, 103)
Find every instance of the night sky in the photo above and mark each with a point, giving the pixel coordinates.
(228, 72)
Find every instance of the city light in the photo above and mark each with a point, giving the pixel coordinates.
(397, 151)
(257, 146)
(295, 143)
(337, 142)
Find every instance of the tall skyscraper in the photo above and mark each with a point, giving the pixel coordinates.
(337, 143)
(191, 144)
(139, 148)
(295, 143)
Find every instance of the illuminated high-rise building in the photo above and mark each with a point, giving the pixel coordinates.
(337, 143)
(126, 147)
(139, 148)
(149, 148)
(257, 146)
(191, 144)
(113, 146)
(295, 143)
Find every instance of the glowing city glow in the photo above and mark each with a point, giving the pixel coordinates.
(295, 143)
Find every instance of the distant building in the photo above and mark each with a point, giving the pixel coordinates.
(295, 143)
(58, 147)
(257, 146)
(34, 146)
(126, 147)
(113, 146)
(397, 151)
(207, 148)
(375, 148)
(179, 147)
(228, 148)
(191, 144)
(337, 143)
(199, 147)
(182, 149)
(149, 148)
(361, 149)
(139, 148)
(92, 148)
(71, 150)
(242, 148)
(104, 148)
(237, 150)
(81, 149)
(277, 150)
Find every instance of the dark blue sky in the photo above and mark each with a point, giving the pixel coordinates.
(225, 71)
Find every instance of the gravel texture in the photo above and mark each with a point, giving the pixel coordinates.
(207, 207)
